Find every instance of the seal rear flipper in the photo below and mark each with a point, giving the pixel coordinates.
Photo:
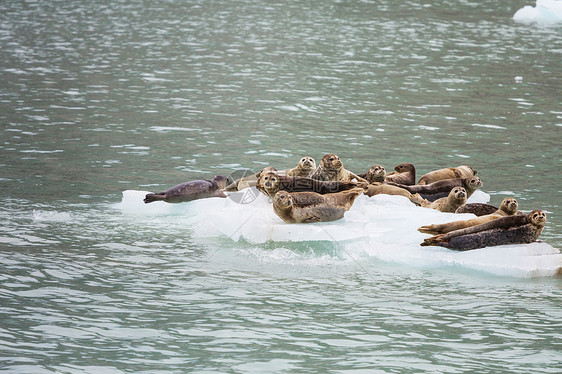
(232, 187)
(434, 240)
(430, 229)
(151, 197)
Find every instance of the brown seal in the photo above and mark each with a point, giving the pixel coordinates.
(270, 183)
(508, 207)
(386, 189)
(462, 171)
(305, 167)
(188, 191)
(306, 207)
(376, 174)
(456, 198)
(331, 169)
(404, 174)
(436, 190)
(249, 180)
(515, 229)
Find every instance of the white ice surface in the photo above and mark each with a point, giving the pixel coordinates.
(382, 227)
(545, 12)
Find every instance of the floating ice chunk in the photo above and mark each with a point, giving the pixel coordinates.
(383, 227)
(545, 12)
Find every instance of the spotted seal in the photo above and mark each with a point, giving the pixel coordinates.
(305, 167)
(376, 174)
(331, 169)
(250, 180)
(456, 198)
(404, 174)
(515, 229)
(439, 189)
(463, 171)
(385, 189)
(307, 207)
(478, 209)
(508, 207)
(188, 191)
(270, 183)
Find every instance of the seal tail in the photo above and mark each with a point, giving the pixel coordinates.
(151, 197)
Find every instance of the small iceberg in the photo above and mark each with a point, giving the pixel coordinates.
(545, 12)
(382, 227)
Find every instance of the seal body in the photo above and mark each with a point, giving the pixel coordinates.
(386, 189)
(250, 180)
(456, 198)
(270, 183)
(463, 171)
(306, 166)
(404, 174)
(439, 189)
(508, 207)
(478, 209)
(331, 169)
(193, 190)
(342, 199)
(515, 229)
(307, 207)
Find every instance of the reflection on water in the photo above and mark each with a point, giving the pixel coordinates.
(98, 98)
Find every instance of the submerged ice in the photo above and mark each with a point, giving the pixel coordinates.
(382, 227)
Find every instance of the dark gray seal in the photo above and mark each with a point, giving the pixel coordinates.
(479, 209)
(439, 189)
(193, 190)
(515, 229)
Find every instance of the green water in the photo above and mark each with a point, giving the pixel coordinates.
(101, 97)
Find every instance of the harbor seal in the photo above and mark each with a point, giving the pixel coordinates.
(249, 179)
(463, 171)
(343, 199)
(456, 198)
(386, 189)
(404, 174)
(306, 207)
(376, 174)
(508, 207)
(439, 189)
(305, 167)
(478, 209)
(270, 183)
(331, 169)
(515, 229)
(188, 191)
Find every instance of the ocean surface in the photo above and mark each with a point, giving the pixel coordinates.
(102, 101)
